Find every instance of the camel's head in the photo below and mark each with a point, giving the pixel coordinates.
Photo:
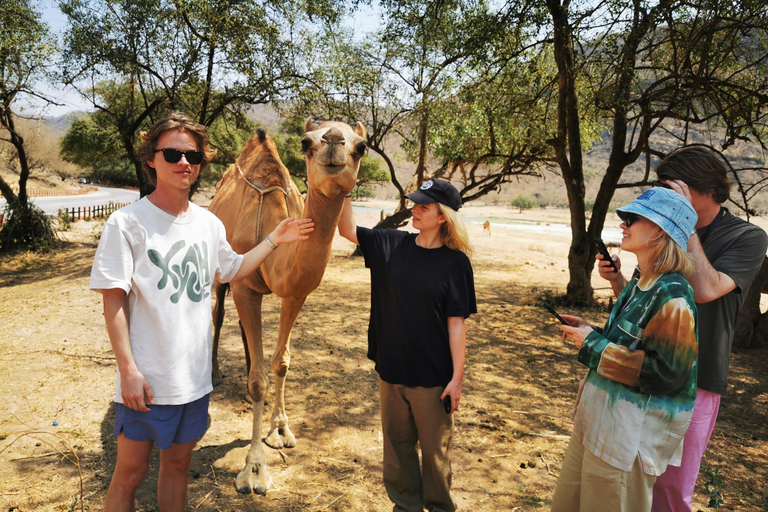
(333, 151)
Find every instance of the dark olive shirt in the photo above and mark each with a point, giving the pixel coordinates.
(737, 249)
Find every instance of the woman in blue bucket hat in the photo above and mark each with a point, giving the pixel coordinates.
(636, 402)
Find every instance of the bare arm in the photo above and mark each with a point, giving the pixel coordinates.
(347, 225)
(708, 284)
(289, 230)
(617, 280)
(134, 388)
(457, 340)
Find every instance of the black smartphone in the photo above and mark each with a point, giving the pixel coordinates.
(602, 249)
(552, 310)
(447, 404)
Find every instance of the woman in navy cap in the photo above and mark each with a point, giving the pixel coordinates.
(636, 402)
(422, 290)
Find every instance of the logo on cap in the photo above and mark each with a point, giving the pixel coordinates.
(427, 185)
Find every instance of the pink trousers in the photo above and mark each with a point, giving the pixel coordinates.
(673, 490)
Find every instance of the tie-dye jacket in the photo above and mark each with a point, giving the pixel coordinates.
(638, 396)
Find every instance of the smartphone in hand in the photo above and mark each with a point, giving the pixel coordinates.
(447, 404)
(602, 249)
(552, 310)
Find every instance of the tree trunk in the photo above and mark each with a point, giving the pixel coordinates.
(752, 327)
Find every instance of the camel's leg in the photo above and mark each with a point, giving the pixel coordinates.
(247, 360)
(220, 290)
(280, 434)
(254, 476)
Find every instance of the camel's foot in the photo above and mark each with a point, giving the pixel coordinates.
(280, 437)
(253, 478)
(216, 377)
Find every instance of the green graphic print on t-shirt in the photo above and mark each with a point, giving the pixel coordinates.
(191, 275)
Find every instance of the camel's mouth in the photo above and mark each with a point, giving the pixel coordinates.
(333, 170)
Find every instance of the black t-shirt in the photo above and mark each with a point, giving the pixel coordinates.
(413, 293)
(736, 248)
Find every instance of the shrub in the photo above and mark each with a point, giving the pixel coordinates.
(27, 227)
(524, 203)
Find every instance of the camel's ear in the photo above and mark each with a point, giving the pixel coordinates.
(360, 130)
(309, 127)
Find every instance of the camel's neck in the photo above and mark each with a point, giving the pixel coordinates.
(325, 212)
(305, 263)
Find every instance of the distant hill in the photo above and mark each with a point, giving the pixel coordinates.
(59, 125)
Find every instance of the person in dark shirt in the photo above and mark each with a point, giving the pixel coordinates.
(422, 290)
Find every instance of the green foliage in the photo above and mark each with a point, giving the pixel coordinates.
(713, 486)
(65, 220)
(362, 191)
(27, 227)
(119, 173)
(524, 202)
(90, 143)
(288, 142)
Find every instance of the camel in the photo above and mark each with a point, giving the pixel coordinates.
(253, 196)
(487, 227)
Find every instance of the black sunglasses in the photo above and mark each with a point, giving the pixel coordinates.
(630, 218)
(174, 155)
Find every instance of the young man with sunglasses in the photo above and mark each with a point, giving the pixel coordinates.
(727, 254)
(155, 265)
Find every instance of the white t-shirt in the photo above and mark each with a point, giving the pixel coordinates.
(167, 266)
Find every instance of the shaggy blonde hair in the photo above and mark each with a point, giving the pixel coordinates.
(667, 256)
(453, 231)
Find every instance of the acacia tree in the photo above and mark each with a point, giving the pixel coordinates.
(209, 58)
(404, 77)
(25, 50)
(647, 64)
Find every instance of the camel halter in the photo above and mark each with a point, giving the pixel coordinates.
(262, 191)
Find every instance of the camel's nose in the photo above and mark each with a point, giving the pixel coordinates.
(334, 136)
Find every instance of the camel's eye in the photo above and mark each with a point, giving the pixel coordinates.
(360, 147)
(306, 143)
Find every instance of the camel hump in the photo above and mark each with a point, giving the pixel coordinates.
(333, 136)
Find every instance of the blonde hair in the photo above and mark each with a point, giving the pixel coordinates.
(667, 256)
(453, 232)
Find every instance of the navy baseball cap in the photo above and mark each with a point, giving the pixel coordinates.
(437, 191)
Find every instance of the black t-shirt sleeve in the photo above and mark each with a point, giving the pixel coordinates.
(377, 244)
(460, 299)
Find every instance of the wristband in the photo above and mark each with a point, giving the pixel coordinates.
(270, 243)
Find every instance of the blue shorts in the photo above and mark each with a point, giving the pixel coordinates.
(164, 424)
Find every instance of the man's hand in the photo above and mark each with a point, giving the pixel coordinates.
(135, 391)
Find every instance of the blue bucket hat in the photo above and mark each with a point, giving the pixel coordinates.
(668, 210)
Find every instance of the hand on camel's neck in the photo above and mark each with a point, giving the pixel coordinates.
(173, 202)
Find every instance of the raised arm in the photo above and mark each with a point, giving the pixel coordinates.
(347, 225)
(617, 280)
(289, 230)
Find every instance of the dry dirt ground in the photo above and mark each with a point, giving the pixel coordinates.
(57, 382)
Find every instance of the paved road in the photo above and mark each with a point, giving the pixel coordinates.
(51, 205)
